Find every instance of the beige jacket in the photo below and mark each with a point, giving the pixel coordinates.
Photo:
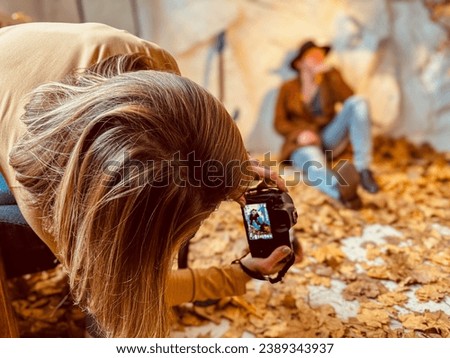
(35, 53)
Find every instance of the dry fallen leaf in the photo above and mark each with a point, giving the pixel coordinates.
(330, 254)
(433, 292)
(363, 289)
(373, 318)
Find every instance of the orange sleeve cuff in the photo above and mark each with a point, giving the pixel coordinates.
(201, 284)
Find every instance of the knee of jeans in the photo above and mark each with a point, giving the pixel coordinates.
(306, 156)
(359, 106)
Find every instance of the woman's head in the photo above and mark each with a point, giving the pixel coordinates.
(309, 55)
(313, 57)
(125, 167)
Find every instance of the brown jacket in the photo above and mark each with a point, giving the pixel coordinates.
(292, 114)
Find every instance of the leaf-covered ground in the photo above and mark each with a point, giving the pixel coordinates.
(383, 271)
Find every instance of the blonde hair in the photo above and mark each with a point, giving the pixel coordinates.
(107, 158)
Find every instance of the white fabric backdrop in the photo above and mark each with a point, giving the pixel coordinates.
(388, 50)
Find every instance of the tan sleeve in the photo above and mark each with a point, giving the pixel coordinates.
(188, 285)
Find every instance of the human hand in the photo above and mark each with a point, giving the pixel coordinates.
(319, 68)
(268, 265)
(307, 137)
(267, 176)
(276, 261)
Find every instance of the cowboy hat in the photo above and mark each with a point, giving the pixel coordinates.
(308, 45)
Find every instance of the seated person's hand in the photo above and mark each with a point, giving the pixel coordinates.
(308, 137)
(320, 68)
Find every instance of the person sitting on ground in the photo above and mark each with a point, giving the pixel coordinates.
(306, 117)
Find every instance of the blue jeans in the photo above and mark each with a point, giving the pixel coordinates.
(6, 197)
(352, 124)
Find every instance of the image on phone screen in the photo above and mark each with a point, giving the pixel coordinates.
(258, 222)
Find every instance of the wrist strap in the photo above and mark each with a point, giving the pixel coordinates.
(259, 276)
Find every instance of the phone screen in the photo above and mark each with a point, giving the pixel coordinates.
(258, 222)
